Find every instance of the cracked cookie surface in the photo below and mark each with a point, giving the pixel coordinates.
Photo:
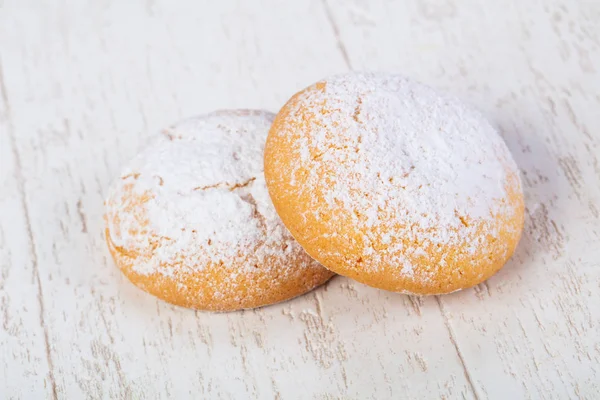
(191, 222)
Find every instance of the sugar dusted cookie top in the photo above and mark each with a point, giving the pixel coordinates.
(190, 219)
(393, 184)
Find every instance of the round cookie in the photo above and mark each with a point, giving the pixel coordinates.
(191, 222)
(384, 180)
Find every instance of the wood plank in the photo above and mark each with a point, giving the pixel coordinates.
(532, 330)
(88, 83)
(23, 331)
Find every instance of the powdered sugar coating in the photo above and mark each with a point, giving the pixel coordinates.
(397, 175)
(196, 197)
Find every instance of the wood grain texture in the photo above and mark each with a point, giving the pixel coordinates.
(23, 334)
(532, 330)
(83, 85)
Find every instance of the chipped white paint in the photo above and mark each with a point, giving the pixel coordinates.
(81, 87)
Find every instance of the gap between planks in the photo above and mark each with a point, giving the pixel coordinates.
(336, 32)
(32, 250)
(455, 344)
(343, 51)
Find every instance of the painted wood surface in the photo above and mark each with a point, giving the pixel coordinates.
(83, 84)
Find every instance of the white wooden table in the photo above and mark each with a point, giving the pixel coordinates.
(82, 84)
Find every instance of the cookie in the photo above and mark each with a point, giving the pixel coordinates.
(388, 182)
(190, 220)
